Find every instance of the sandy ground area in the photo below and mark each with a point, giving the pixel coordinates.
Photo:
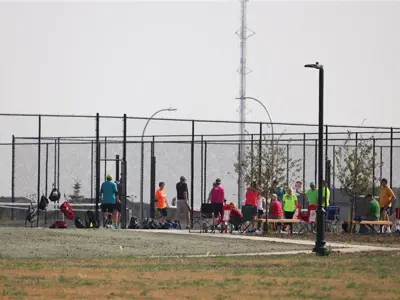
(105, 243)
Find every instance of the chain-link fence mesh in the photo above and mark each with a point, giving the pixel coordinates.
(68, 157)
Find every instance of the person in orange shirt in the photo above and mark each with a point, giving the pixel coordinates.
(386, 197)
(162, 202)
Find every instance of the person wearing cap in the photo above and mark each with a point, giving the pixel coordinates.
(182, 205)
(109, 198)
(312, 195)
(217, 198)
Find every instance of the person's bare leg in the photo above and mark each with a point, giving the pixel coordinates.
(115, 217)
(187, 215)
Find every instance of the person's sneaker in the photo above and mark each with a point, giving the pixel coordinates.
(115, 227)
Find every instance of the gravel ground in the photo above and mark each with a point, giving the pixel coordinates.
(80, 243)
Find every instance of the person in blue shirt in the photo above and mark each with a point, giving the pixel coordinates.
(109, 198)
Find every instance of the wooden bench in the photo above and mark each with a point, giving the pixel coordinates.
(366, 222)
(265, 222)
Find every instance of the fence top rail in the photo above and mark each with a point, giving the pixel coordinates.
(255, 135)
(189, 120)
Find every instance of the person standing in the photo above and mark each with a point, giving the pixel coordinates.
(162, 202)
(326, 194)
(217, 198)
(252, 196)
(277, 190)
(182, 205)
(312, 195)
(386, 197)
(109, 198)
(289, 205)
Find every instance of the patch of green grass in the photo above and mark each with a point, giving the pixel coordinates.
(351, 285)
(35, 267)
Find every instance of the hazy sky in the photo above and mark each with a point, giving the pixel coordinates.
(136, 57)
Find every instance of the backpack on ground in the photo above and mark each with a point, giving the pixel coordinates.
(133, 224)
(78, 223)
(59, 224)
(90, 220)
(43, 203)
(67, 210)
(145, 224)
(55, 195)
(154, 224)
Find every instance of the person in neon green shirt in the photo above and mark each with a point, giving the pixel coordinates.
(325, 199)
(373, 213)
(289, 205)
(312, 195)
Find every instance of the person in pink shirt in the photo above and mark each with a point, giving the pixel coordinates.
(252, 195)
(217, 198)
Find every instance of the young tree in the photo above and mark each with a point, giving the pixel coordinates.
(274, 163)
(76, 195)
(355, 166)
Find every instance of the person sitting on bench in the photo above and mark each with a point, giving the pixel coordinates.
(275, 210)
(373, 213)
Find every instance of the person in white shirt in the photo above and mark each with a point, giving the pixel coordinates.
(260, 206)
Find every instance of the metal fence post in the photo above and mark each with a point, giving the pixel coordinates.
(316, 161)
(373, 166)
(202, 169)
(152, 181)
(124, 169)
(326, 147)
(59, 163)
(105, 158)
(46, 180)
(13, 175)
(252, 158)
(205, 172)
(391, 158)
(39, 162)
(304, 169)
(55, 164)
(192, 175)
(287, 164)
(260, 156)
(97, 168)
(91, 172)
(381, 164)
(334, 173)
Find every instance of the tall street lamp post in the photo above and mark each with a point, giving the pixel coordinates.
(320, 249)
(272, 130)
(142, 157)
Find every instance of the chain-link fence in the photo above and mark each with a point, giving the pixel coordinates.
(75, 153)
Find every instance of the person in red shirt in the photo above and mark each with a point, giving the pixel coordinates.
(252, 195)
(275, 209)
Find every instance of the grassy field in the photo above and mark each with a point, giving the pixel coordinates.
(351, 276)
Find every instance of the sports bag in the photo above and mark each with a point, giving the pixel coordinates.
(67, 210)
(90, 220)
(54, 195)
(133, 224)
(59, 224)
(43, 203)
(78, 223)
